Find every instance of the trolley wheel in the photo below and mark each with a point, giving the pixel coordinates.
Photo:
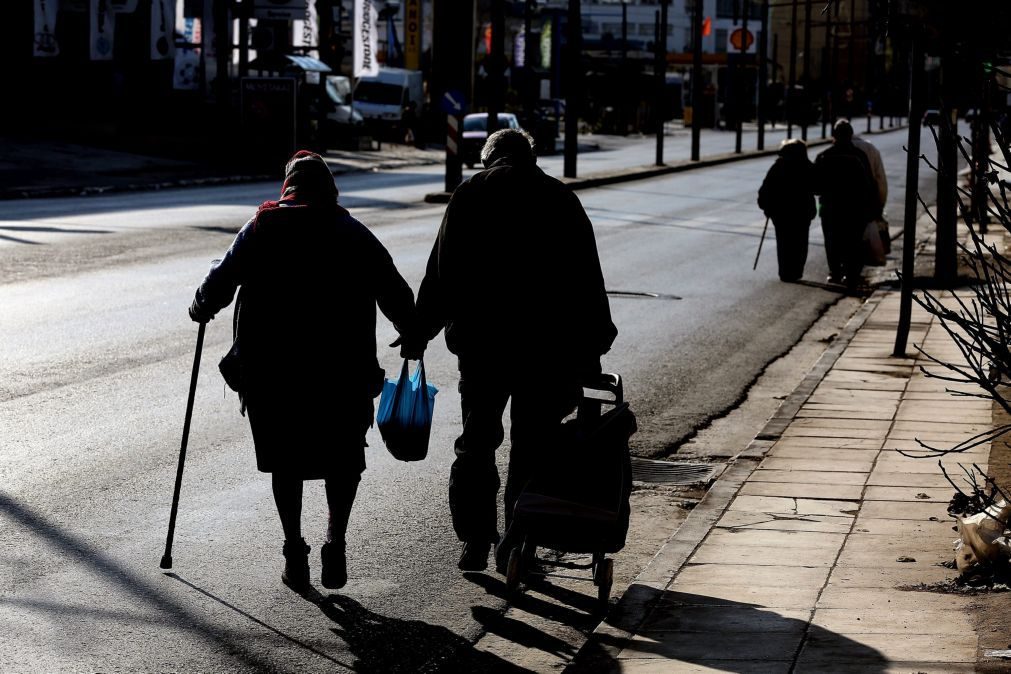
(513, 570)
(603, 578)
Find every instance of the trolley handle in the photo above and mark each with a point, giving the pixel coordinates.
(607, 383)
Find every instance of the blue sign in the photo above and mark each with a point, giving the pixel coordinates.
(453, 103)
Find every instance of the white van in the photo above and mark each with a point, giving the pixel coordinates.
(381, 99)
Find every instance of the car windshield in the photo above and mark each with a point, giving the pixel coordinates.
(377, 92)
(481, 123)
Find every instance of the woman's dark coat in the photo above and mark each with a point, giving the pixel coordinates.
(305, 326)
(787, 193)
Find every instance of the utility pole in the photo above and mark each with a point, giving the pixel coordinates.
(945, 254)
(452, 69)
(916, 93)
(806, 77)
(661, 78)
(762, 75)
(496, 61)
(740, 89)
(696, 77)
(827, 75)
(788, 99)
(573, 87)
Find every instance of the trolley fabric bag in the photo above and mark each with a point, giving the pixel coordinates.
(405, 414)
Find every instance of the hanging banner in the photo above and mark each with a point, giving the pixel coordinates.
(103, 29)
(163, 22)
(45, 28)
(366, 40)
(412, 34)
(186, 73)
(305, 32)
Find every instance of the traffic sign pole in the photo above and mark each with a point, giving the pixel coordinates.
(454, 165)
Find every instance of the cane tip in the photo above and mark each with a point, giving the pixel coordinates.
(166, 562)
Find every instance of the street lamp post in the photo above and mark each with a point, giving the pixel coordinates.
(762, 74)
(572, 87)
(696, 77)
(661, 78)
(806, 76)
(787, 105)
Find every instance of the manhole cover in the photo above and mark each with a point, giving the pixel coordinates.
(672, 472)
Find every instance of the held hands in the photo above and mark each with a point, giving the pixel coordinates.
(197, 314)
(411, 347)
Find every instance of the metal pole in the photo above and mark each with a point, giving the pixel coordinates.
(572, 87)
(826, 74)
(166, 558)
(806, 76)
(788, 104)
(945, 250)
(912, 180)
(243, 40)
(739, 88)
(661, 79)
(696, 78)
(762, 75)
(496, 59)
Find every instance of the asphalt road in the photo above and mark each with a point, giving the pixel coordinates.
(94, 368)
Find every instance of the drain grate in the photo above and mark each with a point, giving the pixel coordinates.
(673, 472)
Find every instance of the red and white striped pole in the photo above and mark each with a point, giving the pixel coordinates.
(454, 165)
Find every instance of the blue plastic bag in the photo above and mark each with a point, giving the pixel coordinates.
(405, 413)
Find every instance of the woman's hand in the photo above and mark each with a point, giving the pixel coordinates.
(411, 348)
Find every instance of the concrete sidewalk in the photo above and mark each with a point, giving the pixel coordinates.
(806, 557)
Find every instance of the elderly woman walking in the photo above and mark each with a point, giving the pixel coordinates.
(304, 359)
(787, 197)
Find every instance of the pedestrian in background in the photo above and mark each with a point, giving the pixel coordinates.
(881, 183)
(309, 278)
(849, 200)
(515, 280)
(787, 198)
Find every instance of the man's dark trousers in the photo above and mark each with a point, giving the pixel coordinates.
(540, 400)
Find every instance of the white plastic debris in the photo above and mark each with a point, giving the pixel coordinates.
(981, 538)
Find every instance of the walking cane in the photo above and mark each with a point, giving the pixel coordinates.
(760, 242)
(166, 559)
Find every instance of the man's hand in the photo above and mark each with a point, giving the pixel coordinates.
(197, 314)
(411, 347)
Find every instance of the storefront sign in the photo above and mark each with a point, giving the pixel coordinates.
(412, 34)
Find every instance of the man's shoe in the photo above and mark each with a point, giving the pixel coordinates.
(335, 565)
(296, 565)
(474, 556)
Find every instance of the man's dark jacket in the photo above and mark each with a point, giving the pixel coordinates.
(514, 276)
(844, 181)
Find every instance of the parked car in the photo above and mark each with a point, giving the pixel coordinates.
(475, 132)
(932, 116)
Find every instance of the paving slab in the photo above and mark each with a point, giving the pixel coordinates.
(808, 448)
(681, 646)
(811, 412)
(834, 466)
(901, 510)
(775, 522)
(808, 477)
(758, 555)
(774, 504)
(889, 621)
(914, 494)
(654, 666)
(885, 478)
(861, 599)
(866, 665)
(747, 575)
(831, 648)
(705, 594)
(839, 492)
(907, 575)
(939, 530)
(770, 538)
(729, 618)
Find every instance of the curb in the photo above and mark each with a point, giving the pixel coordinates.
(593, 180)
(633, 608)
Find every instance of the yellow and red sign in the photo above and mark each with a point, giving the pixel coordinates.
(412, 34)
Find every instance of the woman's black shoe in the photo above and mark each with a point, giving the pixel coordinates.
(474, 556)
(296, 565)
(335, 566)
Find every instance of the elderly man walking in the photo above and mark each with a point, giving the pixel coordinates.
(515, 280)
(849, 200)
